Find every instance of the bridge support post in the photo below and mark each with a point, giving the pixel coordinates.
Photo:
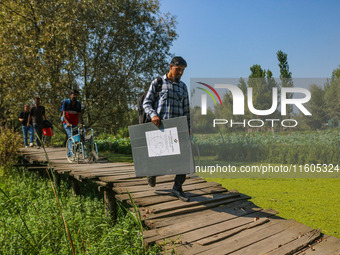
(74, 186)
(57, 179)
(110, 203)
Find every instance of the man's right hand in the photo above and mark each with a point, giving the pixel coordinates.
(156, 120)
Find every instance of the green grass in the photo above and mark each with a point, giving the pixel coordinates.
(31, 223)
(313, 202)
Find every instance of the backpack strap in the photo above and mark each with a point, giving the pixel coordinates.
(67, 103)
(143, 117)
(159, 86)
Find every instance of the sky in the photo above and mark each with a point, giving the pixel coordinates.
(224, 38)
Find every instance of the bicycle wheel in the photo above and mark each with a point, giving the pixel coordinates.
(71, 150)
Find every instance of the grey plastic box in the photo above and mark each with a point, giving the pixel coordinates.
(162, 151)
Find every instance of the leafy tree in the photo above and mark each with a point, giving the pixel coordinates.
(285, 77)
(332, 96)
(317, 107)
(226, 110)
(283, 64)
(262, 82)
(324, 103)
(108, 49)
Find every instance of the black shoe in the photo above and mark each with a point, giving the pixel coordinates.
(180, 195)
(152, 181)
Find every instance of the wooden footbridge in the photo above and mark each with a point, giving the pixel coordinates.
(215, 221)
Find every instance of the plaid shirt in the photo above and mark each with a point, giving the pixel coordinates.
(173, 100)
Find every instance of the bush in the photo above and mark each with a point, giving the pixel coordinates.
(59, 137)
(114, 144)
(9, 144)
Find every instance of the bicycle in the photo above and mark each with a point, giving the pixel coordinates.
(81, 146)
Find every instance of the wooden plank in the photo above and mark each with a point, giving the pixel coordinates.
(160, 180)
(102, 184)
(115, 180)
(326, 245)
(194, 228)
(243, 239)
(87, 170)
(159, 192)
(94, 176)
(133, 189)
(148, 215)
(116, 170)
(199, 200)
(100, 170)
(94, 167)
(103, 165)
(121, 178)
(113, 170)
(146, 201)
(237, 208)
(226, 227)
(95, 171)
(226, 234)
(91, 175)
(195, 248)
(276, 241)
(191, 221)
(297, 244)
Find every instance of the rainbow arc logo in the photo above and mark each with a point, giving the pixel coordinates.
(209, 93)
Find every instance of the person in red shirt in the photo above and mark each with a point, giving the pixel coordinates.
(71, 114)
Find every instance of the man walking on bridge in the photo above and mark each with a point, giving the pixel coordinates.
(23, 118)
(37, 115)
(171, 101)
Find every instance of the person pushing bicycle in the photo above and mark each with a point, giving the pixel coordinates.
(72, 116)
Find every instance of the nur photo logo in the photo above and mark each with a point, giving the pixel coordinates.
(267, 103)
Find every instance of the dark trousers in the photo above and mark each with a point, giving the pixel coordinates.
(38, 131)
(179, 180)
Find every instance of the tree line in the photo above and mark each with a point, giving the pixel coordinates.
(109, 50)
(324, 104)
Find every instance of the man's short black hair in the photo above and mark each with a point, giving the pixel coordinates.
(178, 61)
(74, 92)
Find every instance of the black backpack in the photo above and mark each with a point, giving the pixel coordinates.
(143, 117)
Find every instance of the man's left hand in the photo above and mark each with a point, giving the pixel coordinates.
(156, 120)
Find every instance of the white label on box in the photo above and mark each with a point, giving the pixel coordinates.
(162, 142)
